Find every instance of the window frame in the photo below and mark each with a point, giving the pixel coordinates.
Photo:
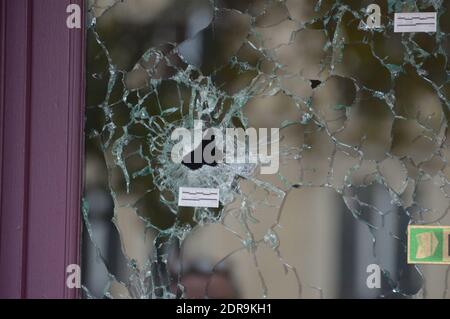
(42, 96)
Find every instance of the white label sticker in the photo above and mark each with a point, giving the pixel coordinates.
(415, 22)
(198, 197)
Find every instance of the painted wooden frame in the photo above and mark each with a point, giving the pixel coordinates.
(41, 147)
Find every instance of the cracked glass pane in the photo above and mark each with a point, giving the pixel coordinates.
(361, 150)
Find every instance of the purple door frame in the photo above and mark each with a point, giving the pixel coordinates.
(41, 147)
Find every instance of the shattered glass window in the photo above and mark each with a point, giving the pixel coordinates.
(362, 113)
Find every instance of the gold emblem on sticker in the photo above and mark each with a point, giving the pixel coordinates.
(427, 244)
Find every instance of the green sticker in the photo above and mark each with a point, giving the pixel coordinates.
(429, 245)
